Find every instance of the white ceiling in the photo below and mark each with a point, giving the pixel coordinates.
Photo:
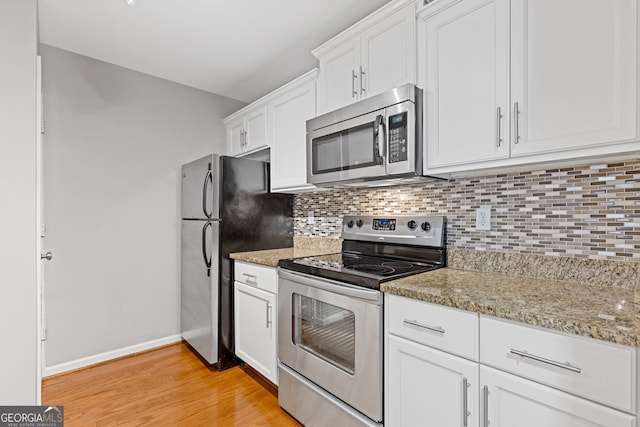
(241, 49)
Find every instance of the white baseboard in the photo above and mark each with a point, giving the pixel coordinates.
(109, 355)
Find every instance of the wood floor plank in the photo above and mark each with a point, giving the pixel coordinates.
(169, 386)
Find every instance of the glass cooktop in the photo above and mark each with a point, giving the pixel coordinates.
(362, 270)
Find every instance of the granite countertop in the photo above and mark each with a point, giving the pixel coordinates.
(597, 299)
(270, 257)
(607, 313)
(302, 246)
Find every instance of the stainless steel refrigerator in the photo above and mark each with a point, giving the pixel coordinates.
(226, 208)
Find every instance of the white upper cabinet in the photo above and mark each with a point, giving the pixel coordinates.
(574, 73)
(247, 130)
(288, 113)
(375, 55)
(278, 120)
(513, 82)
(339, 78)
(463, 51)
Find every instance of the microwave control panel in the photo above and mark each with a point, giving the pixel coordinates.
(398, 138)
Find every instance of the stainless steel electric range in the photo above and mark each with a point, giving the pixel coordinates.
(330, 317)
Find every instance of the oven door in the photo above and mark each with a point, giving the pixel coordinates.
(331, 333)
(351, 149)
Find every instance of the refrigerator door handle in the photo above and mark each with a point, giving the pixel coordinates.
(207, 179)
(207, 259)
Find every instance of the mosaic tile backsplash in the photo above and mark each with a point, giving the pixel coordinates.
(590, 211)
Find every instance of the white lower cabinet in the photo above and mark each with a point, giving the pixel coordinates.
(513, 401)
(255, 322)
(522, 376)
(430, 387)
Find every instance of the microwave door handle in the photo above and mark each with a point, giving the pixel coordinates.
(381, 141)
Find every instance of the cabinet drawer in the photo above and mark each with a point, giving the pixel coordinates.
(256, 275)
(448, 329)
(586, 367)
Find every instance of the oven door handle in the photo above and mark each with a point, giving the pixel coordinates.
(332, 286)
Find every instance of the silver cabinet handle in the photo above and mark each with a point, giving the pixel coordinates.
(48, 256)
(354, 77)
(526, 355)
(465, 405)
(246, 139)
(251, 278)
(485, 399)
(516, 119)
(362, 88)
(437, 329)
(498, 126)
(268, 315)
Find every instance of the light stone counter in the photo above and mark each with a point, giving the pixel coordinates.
(606, 313)
(302, 246)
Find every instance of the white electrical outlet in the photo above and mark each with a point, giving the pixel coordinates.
(483, 218)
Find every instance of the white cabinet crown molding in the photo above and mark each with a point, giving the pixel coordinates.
(360, 26)
(308, 76)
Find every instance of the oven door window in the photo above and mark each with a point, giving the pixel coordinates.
(325, 330)
(351, 148)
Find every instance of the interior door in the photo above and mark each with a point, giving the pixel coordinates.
(40, 235)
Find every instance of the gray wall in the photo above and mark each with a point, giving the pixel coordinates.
(18, 296)
(114, 143)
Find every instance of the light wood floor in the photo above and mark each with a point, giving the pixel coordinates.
(169, 386)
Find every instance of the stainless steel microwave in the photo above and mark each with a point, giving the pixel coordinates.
(375, 141)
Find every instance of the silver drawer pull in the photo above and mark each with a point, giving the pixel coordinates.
(526, 355)
(250, 277)
(422, 325)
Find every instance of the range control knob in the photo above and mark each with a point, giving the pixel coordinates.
(350, 223)
(412, 225)
(359, 223)
(426, 226)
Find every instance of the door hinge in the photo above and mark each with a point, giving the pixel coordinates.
(41, 126)
(44, 334)
(42, 230)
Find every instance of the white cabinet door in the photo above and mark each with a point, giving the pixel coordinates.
(256, 129)
(375, 55)
(287, 116)
(514, 401)
(338, 83)
(255, 329)
(235, 136)
(388, 53)
(574, 73)
(427, 387)
(464, 69)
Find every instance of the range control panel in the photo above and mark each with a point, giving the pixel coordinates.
(404, 229)
(387, 224)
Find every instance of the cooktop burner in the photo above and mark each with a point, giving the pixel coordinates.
(373, 269)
